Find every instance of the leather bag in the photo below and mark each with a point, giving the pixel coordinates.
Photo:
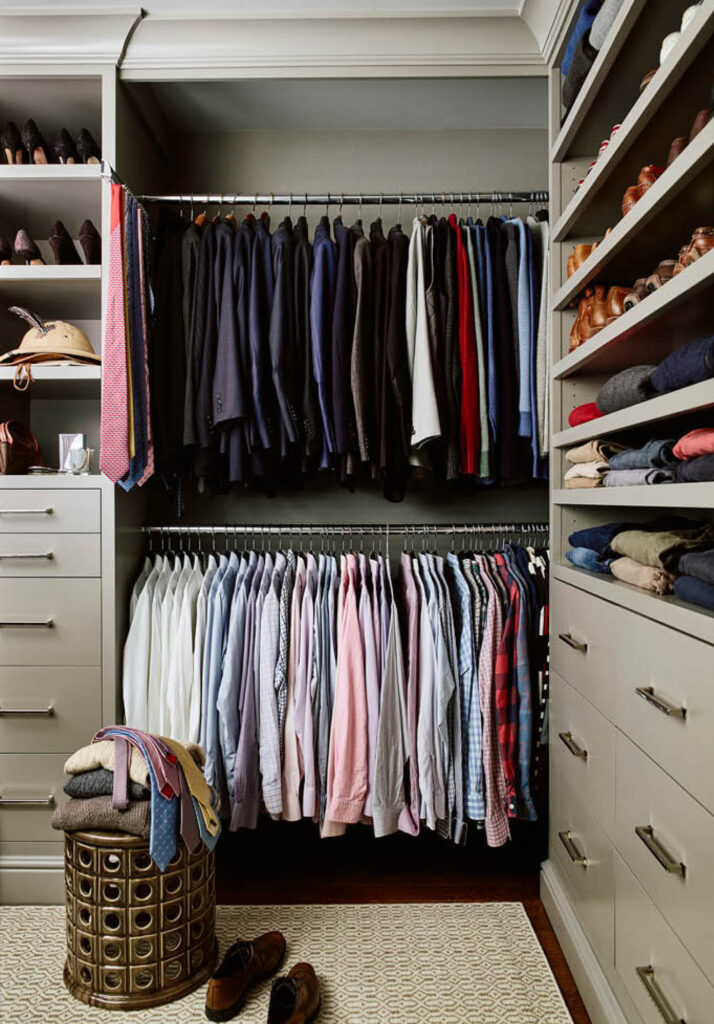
(18, 448)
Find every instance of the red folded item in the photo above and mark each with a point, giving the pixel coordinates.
(696, 442)
(583, 414)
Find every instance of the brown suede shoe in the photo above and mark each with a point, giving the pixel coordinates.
(295, 999)
(245, 964)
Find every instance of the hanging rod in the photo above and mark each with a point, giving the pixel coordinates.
(342, 529)
(352, 198)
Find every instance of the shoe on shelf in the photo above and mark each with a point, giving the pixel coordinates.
(615, 305)
(678, 146)
(637, 293)
(702, 242)
(649, 175)
(87, 148)
(576, 331)
(38, 151)
(12, 143)
(700, 122)
(91, 242)
(63, 248)
(27, 249)
(578, 256)
(660, 276)
(295, 999)
(244, 965)
(629, 199)
(65, 149)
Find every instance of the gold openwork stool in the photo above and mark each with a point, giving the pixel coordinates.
(136, 937)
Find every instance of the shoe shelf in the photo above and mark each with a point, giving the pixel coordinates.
(677, 312)
(67, 382)
(655, 410)
(625, 255)
(699, 495)
(669, 610)
(72, 292)
(648, 130)
(33, 197)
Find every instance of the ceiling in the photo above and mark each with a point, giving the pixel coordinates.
(297, 8)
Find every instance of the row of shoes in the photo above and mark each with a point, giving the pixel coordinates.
(29, 146)
(61, 243)
(294, 998)
(601, 305)
(670, 41)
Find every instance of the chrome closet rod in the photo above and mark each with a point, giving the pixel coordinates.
(342, 529)
(352, 198)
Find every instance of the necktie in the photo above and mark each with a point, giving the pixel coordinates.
(114, 428)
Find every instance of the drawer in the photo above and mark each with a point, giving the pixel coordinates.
(583, 645)
(644, 940)
(50, 554)
(50, 511)
(71, 607)
(676, 867)
(675, 673)
(73, 694)
(582, 749)
(35, 781)
(591, 880)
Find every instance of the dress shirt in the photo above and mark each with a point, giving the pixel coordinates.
(182, 657)
(369, 651)
(392, 754)
(304, 729)
(431, 787)
(409, 817)
(219, 606)
(156, 648)
(269, 729)
(137, 653)
(292, 773)
(424, 411)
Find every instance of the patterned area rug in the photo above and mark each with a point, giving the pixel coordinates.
(457, 963)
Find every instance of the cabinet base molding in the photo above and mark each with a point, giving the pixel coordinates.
(593, 985)
(32, 880)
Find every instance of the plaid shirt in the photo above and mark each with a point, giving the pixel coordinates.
(506, 688)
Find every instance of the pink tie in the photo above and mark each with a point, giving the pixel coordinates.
(114, 430)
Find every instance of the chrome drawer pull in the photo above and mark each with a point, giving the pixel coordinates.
(35, 554)
(32, 712)
(26, 511)
(571, 642)
(647, 977)
(38, 801)
(647, 692)
(572, 746)
(646, 834)
(28, 624)
(574, 853)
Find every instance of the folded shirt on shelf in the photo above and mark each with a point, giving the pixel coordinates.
(100, 782)
(662, 549)
(626, 388)
(696, 442)
(584, 558)
(595, 450)
(595, 469)
(697, 470)
(583, 59)
(583, 414)
(688, 588)
(687, 365)
(647, 577)
(599, 538)
(98, 812)
(574, 482)
(699, 564)
(637, 477)
(652, 455)
(586, 15)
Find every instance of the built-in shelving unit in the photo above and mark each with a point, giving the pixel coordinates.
(58, 381)
(655, 496)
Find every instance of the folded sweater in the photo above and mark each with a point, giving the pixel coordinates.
(595, 469)
(659, 581)
(662, 550)
(97, 813)
(100, 782)
(626, 388)
(594, 450)
(696, 442)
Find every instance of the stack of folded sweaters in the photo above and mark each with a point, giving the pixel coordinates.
(131, 781)
(651, 555)
(690, 364)
(609, 464)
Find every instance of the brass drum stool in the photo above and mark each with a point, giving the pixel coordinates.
(136, 936)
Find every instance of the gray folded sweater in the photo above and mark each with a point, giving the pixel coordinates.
(603, 21)
(100, 782)
(626, 388)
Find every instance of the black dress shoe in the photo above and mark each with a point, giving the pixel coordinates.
(87, 148)
(12, 143)
(65, 149)
(38, 151)
(91, 242)
(63, 248)
(26, 248)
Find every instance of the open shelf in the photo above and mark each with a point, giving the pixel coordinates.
(54, 291)
(677, 312)
(33, 197)
(624, 255)
(65, 382)
(649, 128)
(700, 495)
(663, 407)
(689, 618)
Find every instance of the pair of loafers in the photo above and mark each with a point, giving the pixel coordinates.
(598, 307)
(294, 998)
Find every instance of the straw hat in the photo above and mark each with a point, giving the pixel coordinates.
(50, 339)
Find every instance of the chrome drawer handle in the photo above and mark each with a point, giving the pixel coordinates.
(646, 834)
(38, 801)
(29, 624)
(26, 511)
(572, 746)
(573, 852)
(647, 977)
(35, 554)
(572, 642)
(647, 692)
(32, 712)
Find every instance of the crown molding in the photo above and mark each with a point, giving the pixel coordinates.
(71, 35)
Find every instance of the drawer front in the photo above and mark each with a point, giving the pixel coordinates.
(673, 673)
(582, 750)
(35, 782)
(591, 882)
(65, 706)
(643, 939)
(673, 861)
(71, 607)
(50, 511)
(582, 644)
(50, 554)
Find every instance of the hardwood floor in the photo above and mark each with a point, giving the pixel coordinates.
(288, 863)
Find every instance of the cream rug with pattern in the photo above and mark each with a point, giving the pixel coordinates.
(456, 963)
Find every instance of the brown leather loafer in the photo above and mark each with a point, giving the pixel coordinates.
(295, 999)
(629, 199)
(676, 149)
(245, 964)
